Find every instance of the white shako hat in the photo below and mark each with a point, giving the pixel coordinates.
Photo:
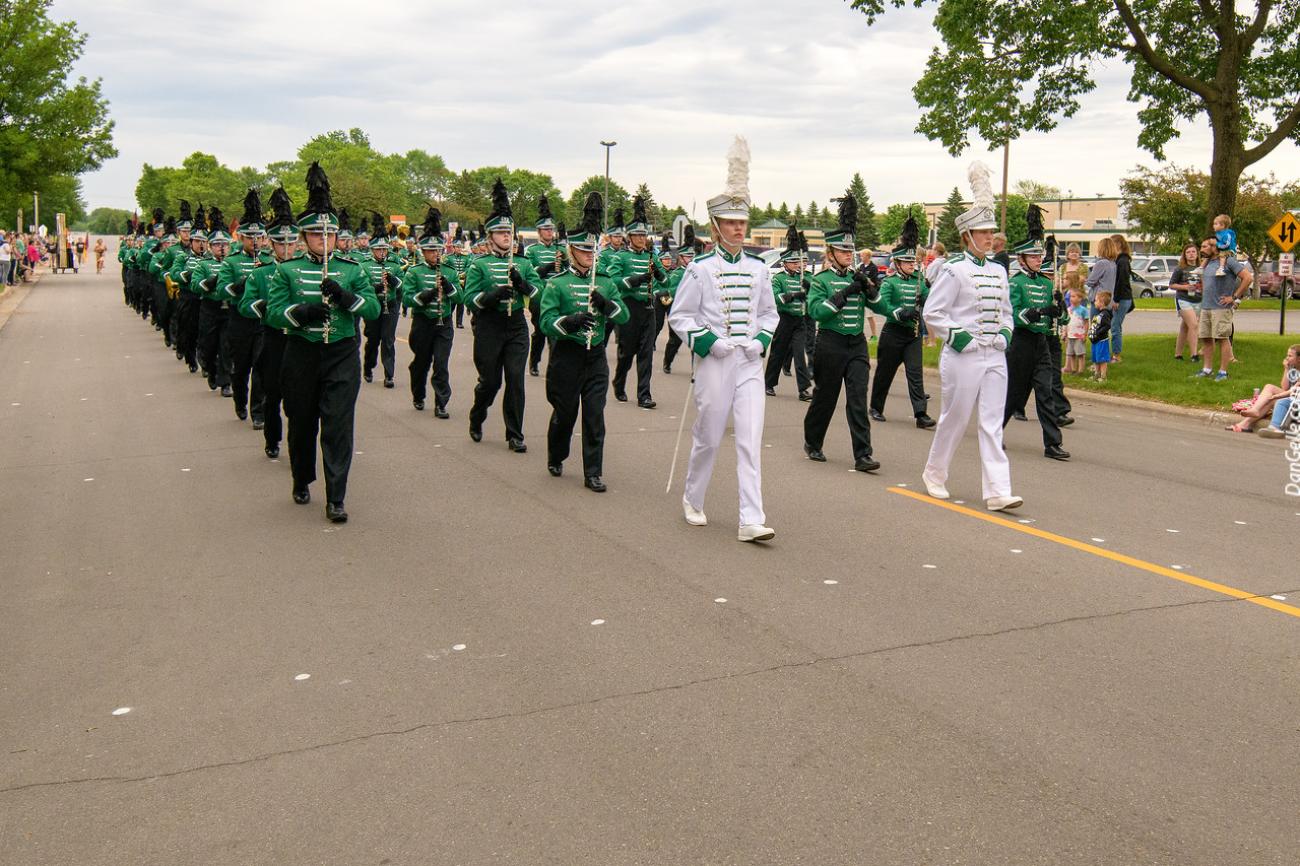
(733, 202)
(980, 216)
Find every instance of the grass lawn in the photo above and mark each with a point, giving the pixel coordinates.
(1149, 371)
(1247, 304)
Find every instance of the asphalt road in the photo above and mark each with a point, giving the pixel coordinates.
(490, 666)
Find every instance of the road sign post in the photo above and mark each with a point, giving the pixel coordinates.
(1286, 234)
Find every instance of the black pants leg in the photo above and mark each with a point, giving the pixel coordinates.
(209, 337)
(245, 343)
(1063, 406)
(577, 382)
(269, 363)
(225, 368)
(787, 344)
(1029, 367)
(443, 337)
(421, 342)
(388, 339)
(636, 342)
(537, 340)
(841, 359)
(500, 352)
(370, 352)
(190, 314)
(320, 384)
(670, 351)
(897, 346)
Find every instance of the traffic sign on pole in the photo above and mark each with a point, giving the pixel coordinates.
(1285, 232)
(1286, 265)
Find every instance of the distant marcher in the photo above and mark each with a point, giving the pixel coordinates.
(1099, 334)
(1268, 397)
(1101, 277)
(868, 267)
(100, 249)
(1123, 295)
(1186, 283)
(1219, 296)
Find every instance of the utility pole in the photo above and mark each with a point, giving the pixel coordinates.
(608, 145)
(1006, 166)
(36, 209)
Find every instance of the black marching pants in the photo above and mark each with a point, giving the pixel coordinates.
(636, 341)
(187, 324)
(840, 359)
(381, 339)
(538, 340)
(320, 383)
(1029, 365)
(670, 351)
(787, 343)
(898, 345)
(577, 379)
(1063, 406)
(431, 341)
(269, 363)
(212, 342)
(244, 340)
(500, 351)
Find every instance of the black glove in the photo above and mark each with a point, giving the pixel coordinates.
(446, 284)
(805, 283)
(786, 297)
(638, 281)
(577, 322)
(664, 298)
(600, 303)
(428, 296)
(1033, 314)
(802, 294)
(311, 314)
(391, 281)
(518, 282)
(908, 314)
(208, 283)
(839, 299)
(658, 269)
(337, 295)
(237, 287)
(496, 296)
(546, 270)
(863, 284)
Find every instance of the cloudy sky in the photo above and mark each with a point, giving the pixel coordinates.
(538, 86)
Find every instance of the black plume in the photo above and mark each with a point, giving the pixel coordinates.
(460, 234)
(638, 210)
(500, 201)
(345, 221)
(666, 244)
(911, 234)
(848, 216)
(688, 238)
(186, 216)
(482, 232)
(560, 231)
(618, 217)
(519, 245)
(1034, 216)
(201, 219)
(363, 227)
(432, 224)
(377, 222)
(252, 207)
(791, 239)
(543, 209)
(169, 227)
(592, 210)
(282, 208)
(216, 219)
(1051, 250)
(318, 191)
(130, 226)
(157, 215)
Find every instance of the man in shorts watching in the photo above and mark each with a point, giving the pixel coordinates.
(1220, 293)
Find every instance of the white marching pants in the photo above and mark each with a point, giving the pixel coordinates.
(973, 379)
(723, 386)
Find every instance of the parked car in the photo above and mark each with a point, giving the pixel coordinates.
(1145, 288)
(773, 258)
(1270, 282)
(1155, 268)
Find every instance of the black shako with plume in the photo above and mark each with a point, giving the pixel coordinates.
(431, 230)
(282, 227)
(640, 220)
(910, 237)
(588, 233)
(158, 218)
(545, 220)
(319, 214)
(218, 228)
(689, 245)
(252, 219)
(186, 219)
(842, 237)
(1032, 245)
(502, 216)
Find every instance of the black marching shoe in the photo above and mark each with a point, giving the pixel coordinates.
(440, 412)
(594, 484)
(388, 383)
(532, 371)
(194, 368)
(556, 469)
(1056, 452)
(1019, 416)
(785, 371)
(227, 391)
(814, 454)
(272, 452)
(476, 432)
(301, 495)
(865, 464)
(620, 396)
(335, 512)
(516, 445)
(212, 384)
(805, 397)
(241, 413)
(647, 403)
(925, 396)
(1064, 421)
(418, 404)
(369, 376)
(771, 392)
(258, 424)
(925, 422)
(876, 416)
(668, 369)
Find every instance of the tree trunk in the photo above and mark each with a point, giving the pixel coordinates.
(1227, 161)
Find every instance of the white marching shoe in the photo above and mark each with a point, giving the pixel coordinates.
(755, 532)
(1004, 503)
(693, 515)
(934, 488)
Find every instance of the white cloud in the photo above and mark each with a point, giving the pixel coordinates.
(818, 94)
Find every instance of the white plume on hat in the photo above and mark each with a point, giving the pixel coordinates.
(733, 201)
(981, 183)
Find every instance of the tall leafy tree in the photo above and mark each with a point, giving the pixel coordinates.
(947, 226)
(891, 222)
(1011, 66)
(1036, 191)
(618, 198)
(814, 216)
(107, 221)
(51, 129)
(866, 232)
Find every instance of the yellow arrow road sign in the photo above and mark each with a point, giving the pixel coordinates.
(1286, 232)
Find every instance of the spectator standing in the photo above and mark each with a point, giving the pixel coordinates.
(1123, 294)
(1186, 283)
(1076, 332)
(1220, 291)
(1000, 254)
(872, 271)
(1099, 333)
(6, 259)
(1075, 270)
(33, 255)
(1101, 277)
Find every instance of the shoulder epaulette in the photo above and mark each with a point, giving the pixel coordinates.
(750, 255)
(955, 257)
(707, 255)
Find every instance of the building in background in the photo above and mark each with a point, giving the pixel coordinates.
(1083, 221)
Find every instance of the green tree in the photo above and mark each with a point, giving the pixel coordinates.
(866, 233)
(798, 216)
(814, 215)
(618, 198)
(427, 177)
(1017, 222)
(891, 222)
(1191, 60)
(783, 213)
(947, 227)
(51, 129)
(107, 221)
(1035, 191)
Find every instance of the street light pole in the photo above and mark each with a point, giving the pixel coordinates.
(608, 145)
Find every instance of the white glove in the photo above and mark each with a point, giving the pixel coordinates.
(721, 349)
(999, 343)
(753, 350)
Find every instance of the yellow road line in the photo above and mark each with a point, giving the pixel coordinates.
(1180, 576)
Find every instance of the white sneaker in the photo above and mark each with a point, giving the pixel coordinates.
(1271, 432)
(756, 532)
(1004, 503)
(694, 516)
(934, 488)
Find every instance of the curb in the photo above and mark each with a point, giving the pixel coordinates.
(12, 298)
